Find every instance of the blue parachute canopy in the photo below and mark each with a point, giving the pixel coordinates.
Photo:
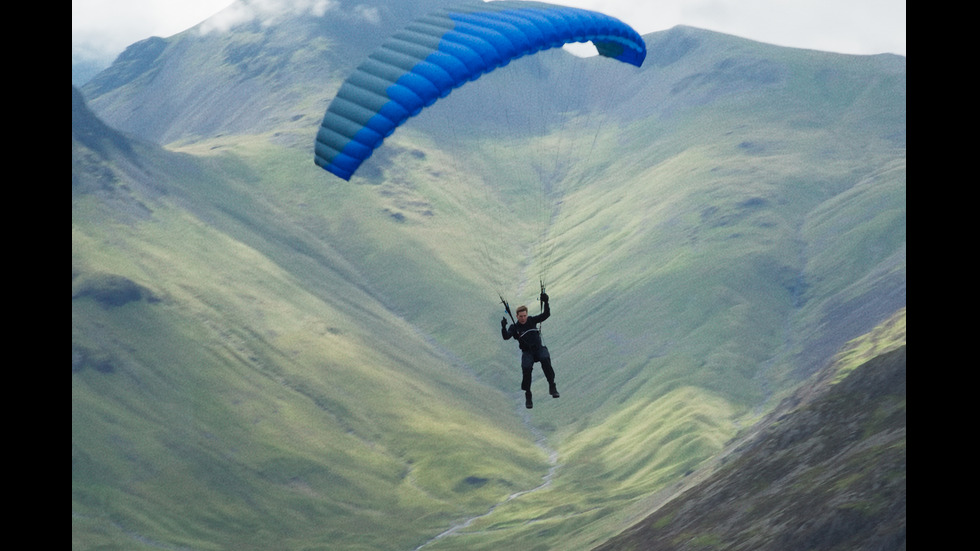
(444, 50)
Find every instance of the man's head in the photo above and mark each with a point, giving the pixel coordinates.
(521, 314)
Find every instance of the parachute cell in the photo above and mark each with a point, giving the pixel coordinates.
(443, 51)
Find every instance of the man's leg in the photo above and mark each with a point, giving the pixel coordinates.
(549, 372)
(527, 363)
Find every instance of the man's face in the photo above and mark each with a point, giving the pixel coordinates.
(522, 316)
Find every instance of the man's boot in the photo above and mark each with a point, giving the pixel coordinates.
(527, 399)
(553, 390)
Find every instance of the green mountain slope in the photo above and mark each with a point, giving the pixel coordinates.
(262, 352)
(827, 470)
(220, 400)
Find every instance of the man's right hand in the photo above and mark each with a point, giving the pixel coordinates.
(503, 323)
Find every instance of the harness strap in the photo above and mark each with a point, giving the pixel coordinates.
(521, 335)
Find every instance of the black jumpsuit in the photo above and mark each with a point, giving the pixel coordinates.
(529, 339)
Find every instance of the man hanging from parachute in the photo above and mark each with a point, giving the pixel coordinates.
(526, 330)
(438, 53)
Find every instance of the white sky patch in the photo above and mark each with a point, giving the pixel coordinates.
(101, 29)
(371, 15)
(844, 26)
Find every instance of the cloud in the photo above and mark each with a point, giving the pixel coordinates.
(265, 12)
(371, 15)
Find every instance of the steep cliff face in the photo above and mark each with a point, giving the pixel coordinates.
(828, 472)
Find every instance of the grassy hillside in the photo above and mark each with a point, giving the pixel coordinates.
(263, 353)
(234, 384)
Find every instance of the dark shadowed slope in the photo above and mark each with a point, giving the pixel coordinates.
(828, 473)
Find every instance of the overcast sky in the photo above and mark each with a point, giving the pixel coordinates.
(101, 29)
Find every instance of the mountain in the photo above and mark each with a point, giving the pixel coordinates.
(825, 470)
(275, 71)
(265, 356)
(229, 368)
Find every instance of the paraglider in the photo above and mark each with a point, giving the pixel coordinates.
(438, 53)
(442, 51)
